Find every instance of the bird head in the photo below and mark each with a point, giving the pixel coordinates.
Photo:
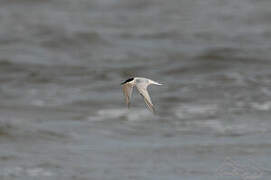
(127, 81)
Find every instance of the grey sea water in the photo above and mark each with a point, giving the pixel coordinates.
(62, 113)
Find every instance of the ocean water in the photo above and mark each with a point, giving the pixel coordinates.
(62, 112)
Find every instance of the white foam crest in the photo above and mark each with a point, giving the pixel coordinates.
(194, 111)
(266, 106)
(35, 172)
(20, 171)
(218, 126)
(215, 125)
(129, 114)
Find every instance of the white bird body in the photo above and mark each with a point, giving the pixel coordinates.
(141, 85)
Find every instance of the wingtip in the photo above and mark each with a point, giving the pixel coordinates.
(153, 111)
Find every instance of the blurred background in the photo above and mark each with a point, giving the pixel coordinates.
(62, 112)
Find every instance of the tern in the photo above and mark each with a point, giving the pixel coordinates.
(141, 84)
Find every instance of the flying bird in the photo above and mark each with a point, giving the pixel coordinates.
(141, 84)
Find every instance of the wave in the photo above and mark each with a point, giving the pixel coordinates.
(196, 111)
(124, 114)
(21, 171)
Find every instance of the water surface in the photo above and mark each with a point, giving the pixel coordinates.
(62, 113)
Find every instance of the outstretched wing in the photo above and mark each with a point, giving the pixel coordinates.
(142, 88)
(127, 91)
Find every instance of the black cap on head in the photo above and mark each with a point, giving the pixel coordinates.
(128, 80)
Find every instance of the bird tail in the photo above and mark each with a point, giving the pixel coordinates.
(156, 83)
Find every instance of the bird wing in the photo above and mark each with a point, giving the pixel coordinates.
(142, 88)
(127, 91)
